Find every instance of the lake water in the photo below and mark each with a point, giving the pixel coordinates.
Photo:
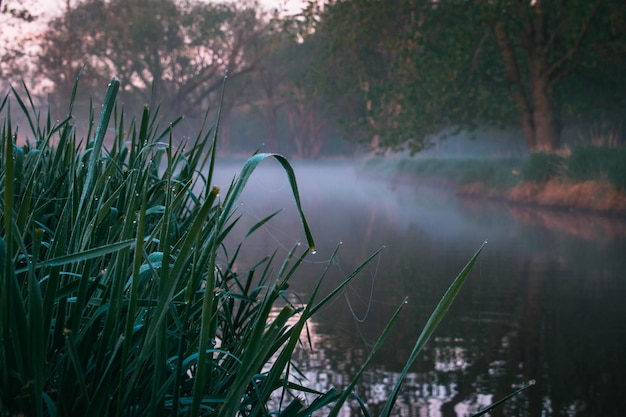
(545, 301)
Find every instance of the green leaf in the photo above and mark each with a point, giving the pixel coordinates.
(90, 253)
(434, 320)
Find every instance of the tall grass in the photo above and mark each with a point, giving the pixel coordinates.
(542, 167)
(604, 163)
(118, 296)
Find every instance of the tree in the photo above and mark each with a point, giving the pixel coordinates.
(279, 96)
(423, 67)
(13, 18)
(543, 42)
(163, 51)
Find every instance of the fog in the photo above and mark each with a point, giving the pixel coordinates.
(544, 278)
(364, 213)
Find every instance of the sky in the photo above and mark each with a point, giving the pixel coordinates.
(12, 29)
(47, 6)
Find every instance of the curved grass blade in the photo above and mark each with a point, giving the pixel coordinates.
(245, 174)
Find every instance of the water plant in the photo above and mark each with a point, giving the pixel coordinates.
(118, 296)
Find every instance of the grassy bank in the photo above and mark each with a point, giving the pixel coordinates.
(118, 296)
(589, 178)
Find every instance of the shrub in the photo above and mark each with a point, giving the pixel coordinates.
(598, 163)
(542, 167)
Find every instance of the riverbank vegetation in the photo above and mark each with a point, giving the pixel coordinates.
(119, 296)
(587, 178)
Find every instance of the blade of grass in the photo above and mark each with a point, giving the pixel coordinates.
(379, 343)
(242, 179)
(206, 326)
(90, 253)
(105, 117)
(502, 400)
(434, 320)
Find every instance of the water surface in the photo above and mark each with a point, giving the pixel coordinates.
(546, 300)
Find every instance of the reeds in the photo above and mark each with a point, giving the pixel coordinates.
(118, 296)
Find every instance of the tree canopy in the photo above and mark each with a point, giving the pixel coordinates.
(421, 67)
(162, 51)
(395, 74)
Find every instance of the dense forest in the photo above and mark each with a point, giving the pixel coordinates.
(338, 78)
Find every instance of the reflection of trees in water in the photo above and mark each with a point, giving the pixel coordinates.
(540, 304)
(584, 225)
(520, 319)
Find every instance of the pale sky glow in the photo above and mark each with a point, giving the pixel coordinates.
(49, 6)
(45, 9)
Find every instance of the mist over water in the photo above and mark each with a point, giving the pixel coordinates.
(544, 301)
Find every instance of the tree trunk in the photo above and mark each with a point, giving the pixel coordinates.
(533, 97)
(539, 119)
(547, 132)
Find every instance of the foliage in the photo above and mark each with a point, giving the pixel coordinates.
(598, 163)
(157, 48)
(118, 295)
(15, 18)
(542, 167)
(420, 67)
(585, 163)
(106, 258)
(498, 173)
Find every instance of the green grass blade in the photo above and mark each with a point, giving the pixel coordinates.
(245, 174)
(206, 330)
(502, 400)
(105, 117)
(90, 253)
(34, 126)
(257, 349)
(379, 343)
(434, 320)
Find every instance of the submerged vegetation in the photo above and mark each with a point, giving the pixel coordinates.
(118, 295)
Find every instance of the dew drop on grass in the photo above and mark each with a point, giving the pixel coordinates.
(313, 252)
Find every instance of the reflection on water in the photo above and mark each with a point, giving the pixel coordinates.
(545, 300)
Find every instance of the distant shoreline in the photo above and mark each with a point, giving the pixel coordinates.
(594, 196)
